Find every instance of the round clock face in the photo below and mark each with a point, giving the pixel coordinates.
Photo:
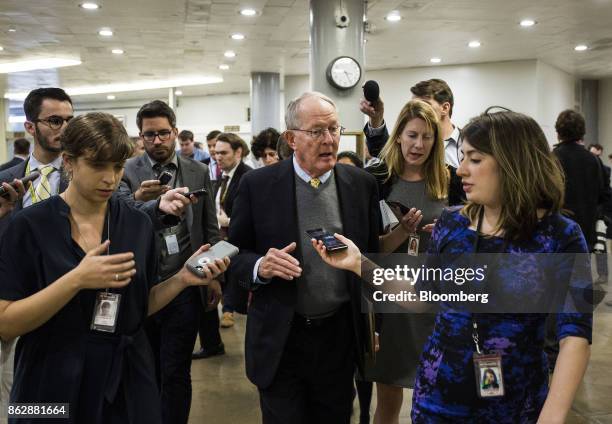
(344, 73)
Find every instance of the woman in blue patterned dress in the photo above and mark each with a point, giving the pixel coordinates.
(514, 188)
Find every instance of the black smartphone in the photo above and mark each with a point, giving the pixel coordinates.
(164, 178)
(331, 243)
(196, 193)
(403, 209)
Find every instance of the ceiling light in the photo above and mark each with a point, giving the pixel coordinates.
(35, 64)
(117, 51)
(435, 60)
(394, 16)
(110, 97)
(224, 67)
(178, 93)
(474, 44)
(229, 53)
(1, 48)
(581, 47)
(248, 12)
(12, 30)
(528, 23)
(105, 33)
(238, 36)
(89, 6)
(128, 86)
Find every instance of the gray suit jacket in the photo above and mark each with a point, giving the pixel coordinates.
(202, 221)
(18, 171)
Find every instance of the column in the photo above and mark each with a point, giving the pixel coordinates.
(336, 29)
(265, 101)
(590, 108)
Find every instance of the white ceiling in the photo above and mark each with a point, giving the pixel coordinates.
(165, 39)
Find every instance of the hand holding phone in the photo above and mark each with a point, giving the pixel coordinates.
(25, 180)
(331, 243)
(218, 251)
(197, 193)
(165, 177)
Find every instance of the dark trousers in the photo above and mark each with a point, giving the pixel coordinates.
(209, 329)
(172, 333)
(314, 380)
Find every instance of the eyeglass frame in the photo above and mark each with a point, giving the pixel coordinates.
(48, 124)
(312, 133)
(156, 134)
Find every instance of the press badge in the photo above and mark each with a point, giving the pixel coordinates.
(489, 375)
(413, 245)
(106, 311)
(172, 245)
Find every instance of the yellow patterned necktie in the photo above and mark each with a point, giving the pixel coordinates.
(43, 189)
(315, 182)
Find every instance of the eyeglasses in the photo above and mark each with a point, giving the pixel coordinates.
(163, 135)
(54, 122)
(319, 133)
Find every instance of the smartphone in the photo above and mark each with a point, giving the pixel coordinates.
(25, 180)
(196, 193)
(218, 251)
(403, 209)
(165, 177)
(331, 243)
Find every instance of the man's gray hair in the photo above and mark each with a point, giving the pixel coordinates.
(292, 120)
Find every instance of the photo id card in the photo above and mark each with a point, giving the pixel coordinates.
(106, 311)
(172, 245)
(489, 375)
(413, 245)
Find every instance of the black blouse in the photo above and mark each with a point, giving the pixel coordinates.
(62, 360)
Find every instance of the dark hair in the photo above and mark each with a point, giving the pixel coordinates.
(33, 102)
(156, 109)
(234, 141)
(437, 89)
(596, 146)
(212, 134)
(21, 146)
(266, 139)
(98, 135)
(352, 156)
(185, 135)
(513, 138)
(283, 150)
(570, 126)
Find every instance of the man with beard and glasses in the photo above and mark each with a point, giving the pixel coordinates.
(172, 331)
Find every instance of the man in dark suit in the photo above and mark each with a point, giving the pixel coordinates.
(305, 329)
(438, 94)
(21, 150)
(172, 331)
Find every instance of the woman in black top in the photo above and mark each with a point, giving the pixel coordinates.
(59, 260)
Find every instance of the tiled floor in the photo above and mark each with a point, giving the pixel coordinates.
(223, 395)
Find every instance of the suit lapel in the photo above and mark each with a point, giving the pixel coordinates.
(347, 195)
(144, 170)
(188, 174)
(283, 189)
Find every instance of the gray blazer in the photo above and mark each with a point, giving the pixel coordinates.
(18, 171)
(201, 220)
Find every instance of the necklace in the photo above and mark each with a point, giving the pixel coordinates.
(78, 229)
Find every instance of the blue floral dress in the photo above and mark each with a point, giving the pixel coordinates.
(445, 387)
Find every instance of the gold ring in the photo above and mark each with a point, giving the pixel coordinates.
(116, 277)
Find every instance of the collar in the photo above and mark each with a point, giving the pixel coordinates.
(454, 135)
(304, 175)
(232, 171)
(174, 160)
(35, 164)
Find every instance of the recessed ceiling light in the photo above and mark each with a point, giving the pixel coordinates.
(178, 93)
(238, 36)
(224, 67)
(581, 47)
(474, 44)
(435, 60)
(105, 33)
(32, 65)
(1, 48)
(89, 6)
(248, 12)
(229, 53)
(527, 23)
(110, 97)
(11, 29)
(394, 16)
(117, 51)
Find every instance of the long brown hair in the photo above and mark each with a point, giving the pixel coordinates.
(530, 175)
(436, 174)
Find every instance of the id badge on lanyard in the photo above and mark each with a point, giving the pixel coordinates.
(413, 244)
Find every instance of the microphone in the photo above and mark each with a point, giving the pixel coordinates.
(24, 180)
(371, 91)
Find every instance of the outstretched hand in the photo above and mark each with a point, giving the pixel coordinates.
(348, 259)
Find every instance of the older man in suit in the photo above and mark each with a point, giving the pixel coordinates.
(305, 329)
(172, 331)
